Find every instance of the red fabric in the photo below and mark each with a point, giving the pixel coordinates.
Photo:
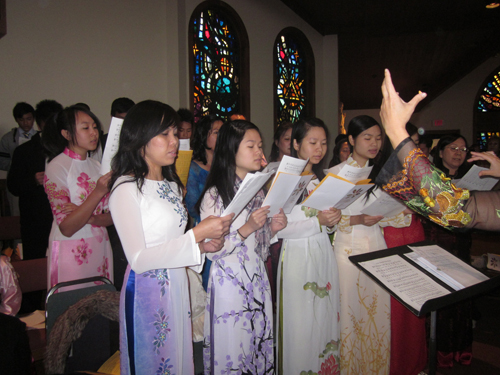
(408, 337)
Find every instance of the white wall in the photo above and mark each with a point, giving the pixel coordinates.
(455, 106)
(94, 51)
(89, 51)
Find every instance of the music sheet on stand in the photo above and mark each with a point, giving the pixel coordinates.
(406, 281)
(445, 263)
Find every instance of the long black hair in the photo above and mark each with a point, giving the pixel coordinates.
(299, 132)
(280, 132)
(336, 151)
(358, 125)
(222, 174)
(52, 139)
(143, 122)
(201, 133)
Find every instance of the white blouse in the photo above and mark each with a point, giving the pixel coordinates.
(151, 226)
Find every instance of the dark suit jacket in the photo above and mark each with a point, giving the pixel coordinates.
(34, 206)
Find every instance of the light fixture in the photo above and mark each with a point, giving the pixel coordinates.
(492, 5)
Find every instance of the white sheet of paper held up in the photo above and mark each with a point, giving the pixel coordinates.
(472, 181)
(354, 174)
(112, 144)
(184, 145)
(252, 183)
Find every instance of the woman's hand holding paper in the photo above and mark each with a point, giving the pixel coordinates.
(278, 222)
(329, 217)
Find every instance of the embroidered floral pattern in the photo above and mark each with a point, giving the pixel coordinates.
(104, 268)
(86, 186)
(57, 199)
(161, 275)
(310, 212)
(365, 348)
(320, 292)
(165, 368)
(420, 183)
(344, 225)
(82, 252)
(161, 326)
(166, 192)
(248, 283)
(331, 365)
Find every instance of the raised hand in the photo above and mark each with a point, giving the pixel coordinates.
(395, 112)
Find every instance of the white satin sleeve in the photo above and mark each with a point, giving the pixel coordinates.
(179, 252)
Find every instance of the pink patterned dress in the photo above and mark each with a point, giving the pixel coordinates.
(87, 253)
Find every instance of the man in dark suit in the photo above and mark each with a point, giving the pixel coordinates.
(25, 180)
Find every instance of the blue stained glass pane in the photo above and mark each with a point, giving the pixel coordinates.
(489, 100)
(291, 76)
(216, 76)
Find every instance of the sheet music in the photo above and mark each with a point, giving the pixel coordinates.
(406, 281)
(472, 181)
(112, 144)
(444, 262)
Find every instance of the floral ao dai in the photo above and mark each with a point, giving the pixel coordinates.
(239, 312)
(69, 179)
(155, 314)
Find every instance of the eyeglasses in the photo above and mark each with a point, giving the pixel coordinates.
(456, 148)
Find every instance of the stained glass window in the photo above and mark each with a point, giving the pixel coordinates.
(489, 99)
(218, 59)
(293, 76)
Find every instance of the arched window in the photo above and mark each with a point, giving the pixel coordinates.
(293, 77)
(218, 61)
(487, 109)
(489, 98)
